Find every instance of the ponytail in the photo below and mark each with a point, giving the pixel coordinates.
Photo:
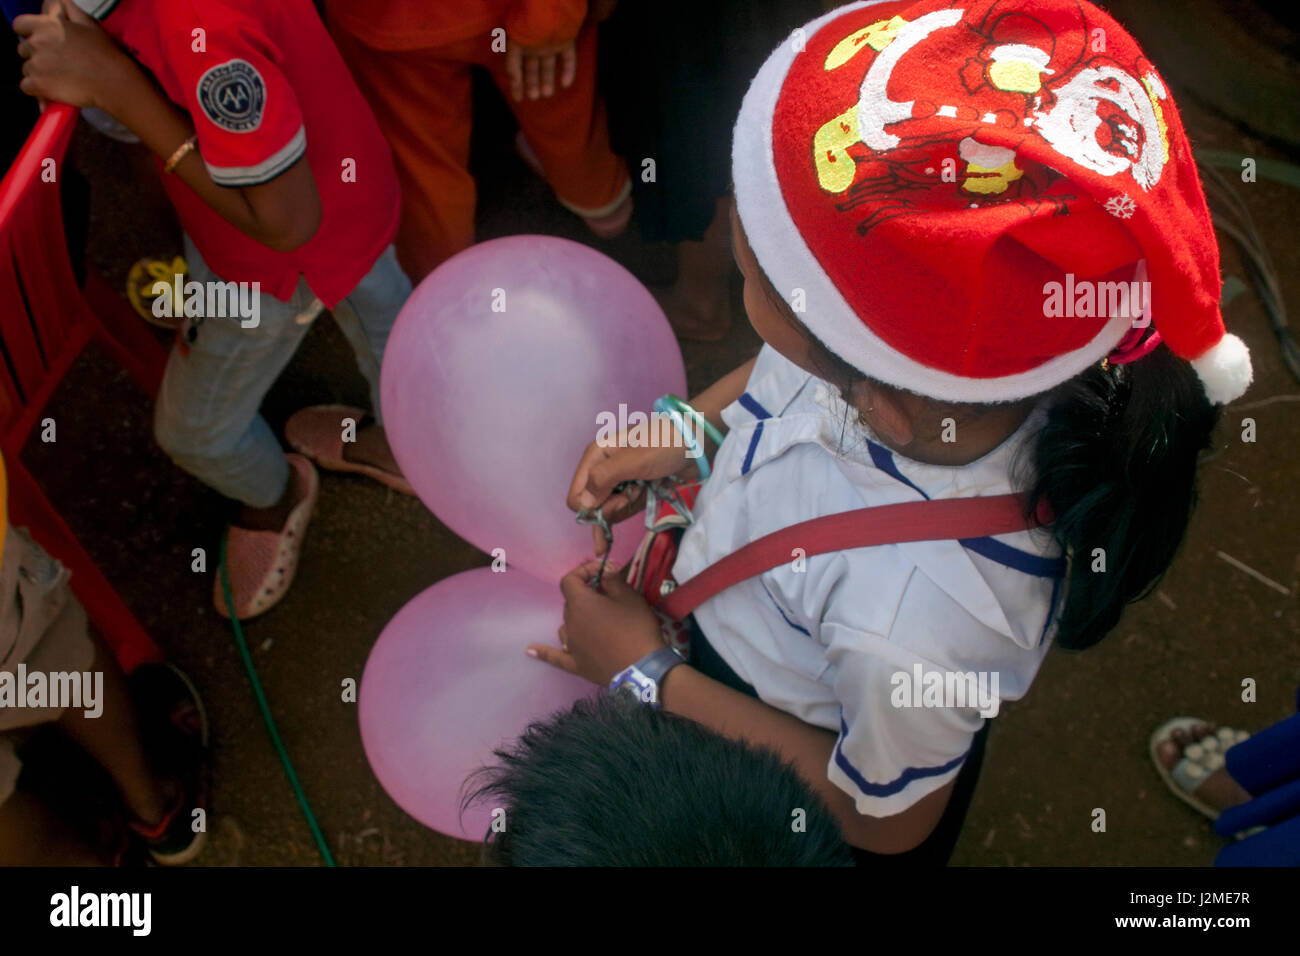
(1116, 461)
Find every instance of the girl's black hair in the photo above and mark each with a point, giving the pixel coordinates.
(1116, 462)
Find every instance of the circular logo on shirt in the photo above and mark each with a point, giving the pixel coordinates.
(233, 95)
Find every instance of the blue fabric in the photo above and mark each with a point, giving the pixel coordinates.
(1267, 759)
(1280, 803)
(16, 8)
(1277, 846)
(1267, 765)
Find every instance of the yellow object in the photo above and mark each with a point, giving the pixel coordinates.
(1019, 76)
(140, 282)
(183, 150)
(876, 35)
(835, 167)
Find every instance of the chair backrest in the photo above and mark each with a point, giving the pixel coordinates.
(40, 303)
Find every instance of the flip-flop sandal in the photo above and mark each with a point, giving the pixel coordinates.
(261, 564)
(1199, 759)
(317, 432)
(140, 283)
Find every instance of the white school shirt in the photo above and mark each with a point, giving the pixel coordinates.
(824, 642)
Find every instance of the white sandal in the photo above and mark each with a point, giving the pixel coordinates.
(1199, 759)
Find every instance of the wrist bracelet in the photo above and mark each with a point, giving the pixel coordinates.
(687, 408)
(694, 448)
(183, 150)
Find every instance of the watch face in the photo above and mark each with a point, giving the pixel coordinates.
(635, 684)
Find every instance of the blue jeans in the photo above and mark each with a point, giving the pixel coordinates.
(207, 418)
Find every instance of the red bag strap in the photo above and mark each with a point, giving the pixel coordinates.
(935, 520)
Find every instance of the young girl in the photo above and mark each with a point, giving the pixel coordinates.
(957, 224)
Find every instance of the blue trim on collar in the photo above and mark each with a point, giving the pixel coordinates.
(882, 459)
(894, 786)
(751, 405)
(1007, 556)
(986, 547)
(753, 447)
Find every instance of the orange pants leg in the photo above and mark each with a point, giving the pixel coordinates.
(568, 133)
(422, 101)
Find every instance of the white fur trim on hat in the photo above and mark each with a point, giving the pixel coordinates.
(789, 264)
(1225, 369)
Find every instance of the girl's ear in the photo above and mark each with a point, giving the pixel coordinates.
(884, 412)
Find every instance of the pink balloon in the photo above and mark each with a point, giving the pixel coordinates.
(448, 681)
(494, 376)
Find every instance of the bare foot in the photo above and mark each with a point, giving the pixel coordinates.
(1218, 791)
(371, 448)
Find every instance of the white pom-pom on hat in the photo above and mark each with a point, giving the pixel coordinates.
(1224, 369)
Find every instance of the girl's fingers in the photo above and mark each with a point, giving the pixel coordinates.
(532, 82)
(548, 75)
(569, 71)
(553, 656)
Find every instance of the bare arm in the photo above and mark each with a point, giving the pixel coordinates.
(282, 214)
(68, 58)
(687, 692)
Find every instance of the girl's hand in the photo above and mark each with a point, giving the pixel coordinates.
(532, 70)
(604, 631)
(605, 465)
(67, 57)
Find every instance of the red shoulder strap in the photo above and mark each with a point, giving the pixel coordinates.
(937, 520)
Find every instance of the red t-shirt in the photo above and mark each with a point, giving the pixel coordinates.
(264, 86)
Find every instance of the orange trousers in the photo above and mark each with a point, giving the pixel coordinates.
(422, 100)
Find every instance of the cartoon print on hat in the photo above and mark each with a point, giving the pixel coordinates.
(936, 166)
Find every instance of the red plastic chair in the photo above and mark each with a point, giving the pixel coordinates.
(45, 323)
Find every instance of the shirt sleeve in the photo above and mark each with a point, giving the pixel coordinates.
(907, 722)
(545, 22)
(246, 116)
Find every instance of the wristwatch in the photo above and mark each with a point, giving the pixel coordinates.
(643, 678)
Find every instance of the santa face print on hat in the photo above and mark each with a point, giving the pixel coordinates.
(922, 172)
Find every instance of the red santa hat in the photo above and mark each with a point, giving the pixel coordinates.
(976, 201)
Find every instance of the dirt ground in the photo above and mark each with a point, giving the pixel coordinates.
(1076, 743)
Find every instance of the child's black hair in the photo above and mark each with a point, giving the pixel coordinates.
(1116, 462)
(614, 783)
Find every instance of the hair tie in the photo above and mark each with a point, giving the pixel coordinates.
(1134, 345)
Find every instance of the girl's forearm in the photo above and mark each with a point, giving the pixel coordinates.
(722, 393)
(808, 749)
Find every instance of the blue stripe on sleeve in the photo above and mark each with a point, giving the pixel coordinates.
(893, 787)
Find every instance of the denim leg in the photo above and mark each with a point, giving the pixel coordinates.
(367, 315)
(207, 418)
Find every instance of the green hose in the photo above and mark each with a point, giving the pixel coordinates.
(266, 712)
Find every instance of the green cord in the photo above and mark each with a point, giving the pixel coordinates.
(266, 711)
